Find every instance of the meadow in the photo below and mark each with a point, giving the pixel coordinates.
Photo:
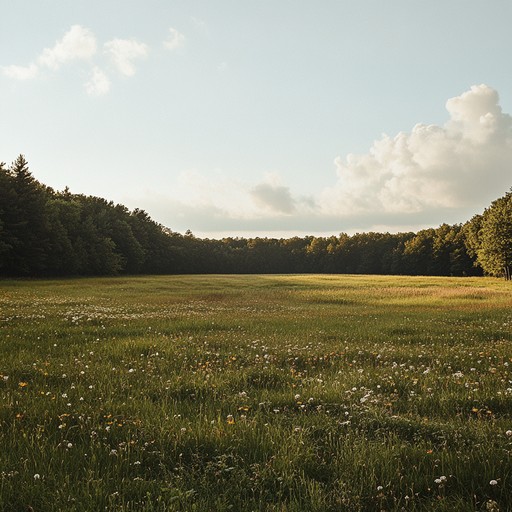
(256, 393)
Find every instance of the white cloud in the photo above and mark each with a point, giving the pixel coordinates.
(20, 72)
(176, 39)
(99, 83)
(123, 52)
(78, 43)
(464, 163)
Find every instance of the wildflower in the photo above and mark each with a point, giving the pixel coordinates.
(230, 419)
(508, 433)
(379, 488)
(23, 384)
(37, 476)
(493, 482)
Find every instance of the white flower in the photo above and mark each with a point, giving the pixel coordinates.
(37, 476)
(508, 433)
(493, 482)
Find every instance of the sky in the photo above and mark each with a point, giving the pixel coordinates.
(263, 118)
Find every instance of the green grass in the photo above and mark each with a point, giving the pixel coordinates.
(256, 393)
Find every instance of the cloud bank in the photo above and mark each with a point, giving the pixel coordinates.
(464, 163)
(429, 175)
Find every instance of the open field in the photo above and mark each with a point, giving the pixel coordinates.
(256, 393)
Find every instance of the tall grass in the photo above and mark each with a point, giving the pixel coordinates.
(256, 393)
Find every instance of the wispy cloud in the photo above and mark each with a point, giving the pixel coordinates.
(123, 53)
(175, 40)
(78, 43)
(21, 72)
(99, 83)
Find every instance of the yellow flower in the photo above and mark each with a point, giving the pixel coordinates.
(23, 384)
(230, 420)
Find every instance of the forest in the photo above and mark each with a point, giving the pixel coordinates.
(46, 233)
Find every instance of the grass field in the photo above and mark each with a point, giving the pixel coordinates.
(256, 393)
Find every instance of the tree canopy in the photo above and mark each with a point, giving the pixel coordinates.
(44, 232)
(489, 237)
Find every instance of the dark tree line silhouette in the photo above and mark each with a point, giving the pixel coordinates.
(48, 233)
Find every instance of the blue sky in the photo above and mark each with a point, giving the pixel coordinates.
(264, 117)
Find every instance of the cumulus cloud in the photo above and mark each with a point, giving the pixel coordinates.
(123, 52)
(464, 163)
(78, 43)
(20, 72)
(175, 40)
(99, 83)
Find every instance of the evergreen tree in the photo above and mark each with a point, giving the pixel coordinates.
(24, 221)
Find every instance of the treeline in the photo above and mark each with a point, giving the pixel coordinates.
(48, 233)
